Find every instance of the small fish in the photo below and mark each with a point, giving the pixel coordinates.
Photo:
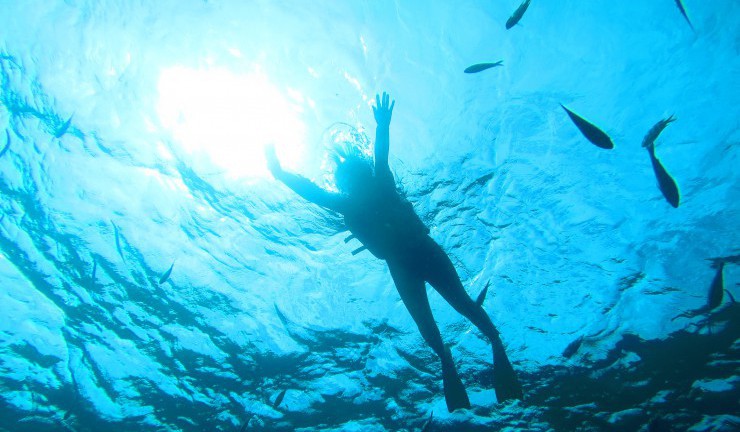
(118, 240)
(654, 131)
(279, 399)
(717, 289)
(7, 143)
(482, 66)
(482, 296)
(246, 423)
(283, 318)
(572, 347)
(166, 274)
(62, 130)
(517, 15)
(591, 132)
(716, 292)
(679, 3)
(428, 423)
(666, 184)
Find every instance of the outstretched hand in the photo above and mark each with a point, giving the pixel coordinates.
(272, 161)
(383, 110)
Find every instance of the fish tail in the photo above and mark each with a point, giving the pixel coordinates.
(654, 132)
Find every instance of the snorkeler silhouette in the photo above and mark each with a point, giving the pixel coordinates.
(377, 215)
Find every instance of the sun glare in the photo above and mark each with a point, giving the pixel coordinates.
(230, 118)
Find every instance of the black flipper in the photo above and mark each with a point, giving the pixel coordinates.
(455, 394)
(504, 378)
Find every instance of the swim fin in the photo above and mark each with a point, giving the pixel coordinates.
(455, 394)
(504, 378)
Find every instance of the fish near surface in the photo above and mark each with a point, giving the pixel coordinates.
(714, 300)
(480, 67)
(166, 274)
(118, 240)
(7, 143)
(666, 183)
(94, 271)
(592, 133)
(62, 130)
(517, 15)
(279, 399)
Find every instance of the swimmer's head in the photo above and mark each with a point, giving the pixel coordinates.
(354, 173)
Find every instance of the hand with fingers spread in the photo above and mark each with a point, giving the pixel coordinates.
(383, 110)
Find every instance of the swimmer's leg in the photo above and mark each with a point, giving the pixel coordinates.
(413, 293)
(440, 273)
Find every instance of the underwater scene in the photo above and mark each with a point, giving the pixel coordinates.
(369, 215)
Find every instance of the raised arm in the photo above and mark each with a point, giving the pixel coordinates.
(382, 111)
(303, 186)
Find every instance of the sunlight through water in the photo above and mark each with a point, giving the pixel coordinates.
(230, 118)
(154, 276)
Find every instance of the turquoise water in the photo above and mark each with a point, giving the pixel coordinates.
(132, 143)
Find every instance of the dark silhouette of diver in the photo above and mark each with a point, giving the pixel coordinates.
(377, 215)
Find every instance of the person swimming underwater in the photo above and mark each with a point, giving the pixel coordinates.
(377, 215)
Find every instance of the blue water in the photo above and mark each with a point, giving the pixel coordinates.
(170, 105)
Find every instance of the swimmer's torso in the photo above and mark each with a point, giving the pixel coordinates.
(383, 221)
